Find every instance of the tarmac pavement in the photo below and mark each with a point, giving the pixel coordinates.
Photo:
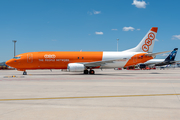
(107, 95)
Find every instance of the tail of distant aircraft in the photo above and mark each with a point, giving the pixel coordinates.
(147, 43)
(172, 55)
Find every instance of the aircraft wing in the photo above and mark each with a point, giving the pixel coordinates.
(100, 63)
(154, 54)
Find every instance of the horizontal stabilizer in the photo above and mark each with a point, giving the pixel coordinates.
(154, 54)
(100, 63)
(174, 61)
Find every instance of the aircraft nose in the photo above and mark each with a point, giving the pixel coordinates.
(10, 62)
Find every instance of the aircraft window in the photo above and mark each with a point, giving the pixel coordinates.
(82, 57)
(17, 57)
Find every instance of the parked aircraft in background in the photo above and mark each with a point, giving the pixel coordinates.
(87, 61)
(161, 62)
(3, 65)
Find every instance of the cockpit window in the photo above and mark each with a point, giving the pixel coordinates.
(17, 57)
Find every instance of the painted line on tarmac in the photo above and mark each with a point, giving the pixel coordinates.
(88, 97)
(13, 76)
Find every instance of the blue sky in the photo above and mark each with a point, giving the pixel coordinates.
(87, 25)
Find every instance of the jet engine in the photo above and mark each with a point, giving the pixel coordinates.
(75, 67)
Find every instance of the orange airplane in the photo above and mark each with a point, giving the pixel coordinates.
(87, 61)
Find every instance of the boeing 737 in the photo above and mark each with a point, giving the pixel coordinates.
(87, 61)
(160, 62)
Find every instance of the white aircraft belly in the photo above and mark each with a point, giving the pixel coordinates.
(115, 64)
(123, 58)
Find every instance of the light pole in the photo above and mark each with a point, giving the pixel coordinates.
(14, 47)
(117, 43)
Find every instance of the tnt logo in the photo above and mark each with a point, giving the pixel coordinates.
(148, 42)
(49, 56)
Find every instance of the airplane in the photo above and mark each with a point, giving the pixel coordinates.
(87, 61)
(3, 65)
(161, 62)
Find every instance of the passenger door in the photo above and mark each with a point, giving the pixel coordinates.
(29, 58)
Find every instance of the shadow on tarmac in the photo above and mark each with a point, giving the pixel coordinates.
(80, 74)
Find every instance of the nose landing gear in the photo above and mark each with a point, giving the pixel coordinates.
(24, 73)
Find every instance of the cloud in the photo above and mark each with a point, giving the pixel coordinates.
(174, 37)
(99, 33)
(114, 29)
(156, 40)
(139, 4)
(128, 28)
(90, 13)
(96, 12)
(138, 29)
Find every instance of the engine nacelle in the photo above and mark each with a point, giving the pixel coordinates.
(142, 66)
(75, 67)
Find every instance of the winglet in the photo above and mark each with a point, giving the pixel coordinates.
(154, 29)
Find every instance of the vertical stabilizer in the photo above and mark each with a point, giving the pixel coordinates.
(147, 43)
(172, 55)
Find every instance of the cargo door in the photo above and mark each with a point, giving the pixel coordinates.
(135, 58)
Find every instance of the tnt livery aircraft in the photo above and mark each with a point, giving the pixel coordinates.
(87, 61)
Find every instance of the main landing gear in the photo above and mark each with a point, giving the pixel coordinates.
(24, 73)
(90, 72)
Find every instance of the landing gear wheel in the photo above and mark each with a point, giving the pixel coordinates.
(91, 72)
(24, 73)
(85, 71)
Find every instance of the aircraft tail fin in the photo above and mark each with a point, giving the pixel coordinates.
(147, 43)
(172, 55)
